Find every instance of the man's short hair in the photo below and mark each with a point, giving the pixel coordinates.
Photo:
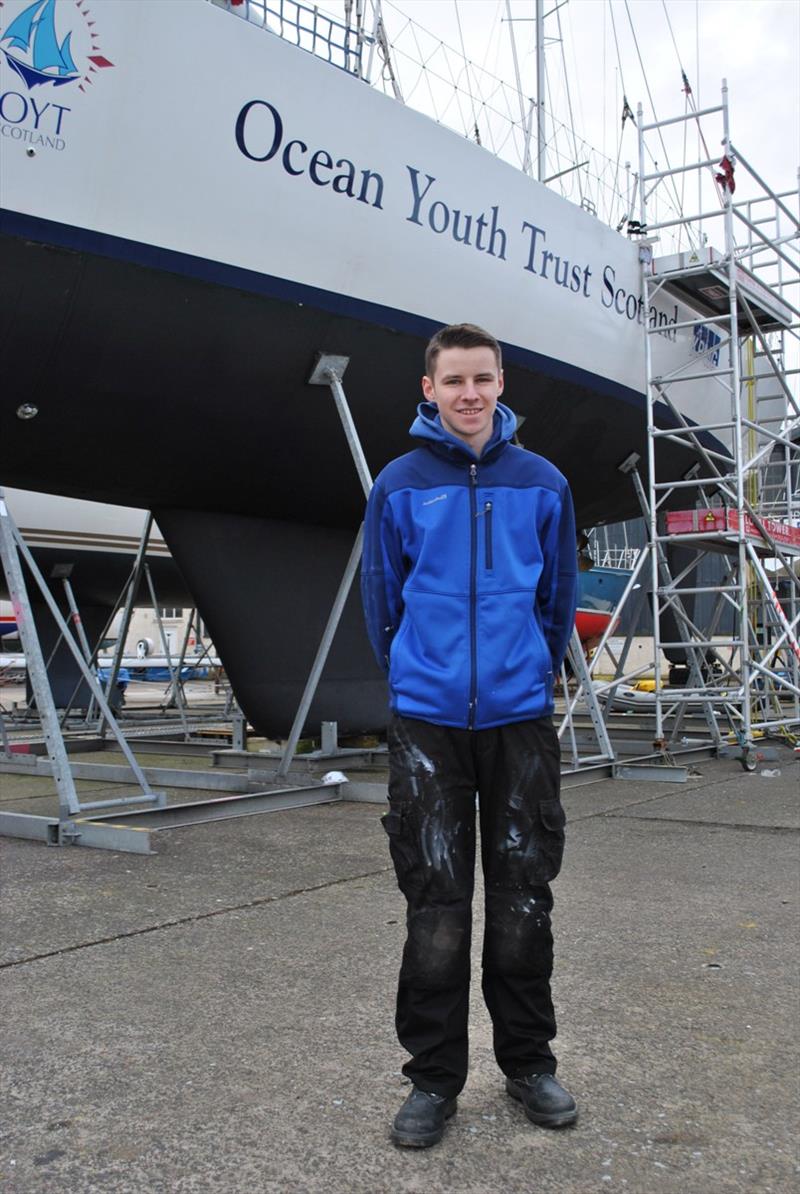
(460, 335)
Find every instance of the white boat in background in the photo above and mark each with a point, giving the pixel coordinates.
(178, 246)
(88, 532)
(94, 546)
(8, 623)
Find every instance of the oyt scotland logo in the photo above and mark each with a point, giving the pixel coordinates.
(38, 45)
(46, 45)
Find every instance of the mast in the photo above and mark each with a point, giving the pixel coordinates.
(540, 91)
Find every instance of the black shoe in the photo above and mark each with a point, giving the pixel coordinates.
(420, 1121)
(545, 1101)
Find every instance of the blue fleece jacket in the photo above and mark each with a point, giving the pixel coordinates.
(469, 577)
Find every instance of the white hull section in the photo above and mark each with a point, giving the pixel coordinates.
(213, 138)
(74, 525)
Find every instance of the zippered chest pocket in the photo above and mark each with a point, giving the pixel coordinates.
(487, 514)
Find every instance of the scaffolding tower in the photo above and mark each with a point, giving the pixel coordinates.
(741, 499)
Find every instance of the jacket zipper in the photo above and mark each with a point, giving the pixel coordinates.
(487, 516)
(473, 632)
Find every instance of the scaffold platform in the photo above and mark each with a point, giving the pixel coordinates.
(699, 276)
(719, 528)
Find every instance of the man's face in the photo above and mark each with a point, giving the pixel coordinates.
(465, 386)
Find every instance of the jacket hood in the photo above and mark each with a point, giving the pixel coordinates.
(428, 427)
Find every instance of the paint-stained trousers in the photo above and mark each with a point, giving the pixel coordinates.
(435, 773)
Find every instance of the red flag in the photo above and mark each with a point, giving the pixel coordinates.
(725, 179)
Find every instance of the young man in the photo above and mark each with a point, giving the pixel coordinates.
(468, 581)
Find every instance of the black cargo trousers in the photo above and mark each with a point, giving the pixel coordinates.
(435, 773)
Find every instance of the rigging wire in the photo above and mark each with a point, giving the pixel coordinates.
(616, 43)
(466, 71)
(552, 144)
(687, 91)
(576, 74)
(431, 71)
(494, 40)
(692, 106)
(627, 114)
(558, 156)
(605, 77)
(523, 117)
(576, 159)
(384, 52)
(653, 110)
(697, 101)
(625, 107)
(424, 66)
(672, 35)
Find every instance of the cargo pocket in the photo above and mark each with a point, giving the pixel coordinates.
(550, 834)
(399, 826)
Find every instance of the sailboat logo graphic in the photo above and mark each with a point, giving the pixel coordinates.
(32, 48)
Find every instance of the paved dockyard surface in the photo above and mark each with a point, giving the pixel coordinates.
(218, 1016)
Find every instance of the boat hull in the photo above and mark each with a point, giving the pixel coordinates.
(599, 593)
(160, 386)
(176, 255)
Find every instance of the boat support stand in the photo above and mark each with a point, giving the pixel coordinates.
(329, 371)
(71, 826)
(111, 824)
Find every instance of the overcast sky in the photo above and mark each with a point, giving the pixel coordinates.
(754, 43)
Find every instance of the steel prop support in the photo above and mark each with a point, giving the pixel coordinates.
(68, 801)
(322, 653)
(89, 677)
(329, 371)
(77, 832)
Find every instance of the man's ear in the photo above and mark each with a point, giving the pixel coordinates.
(427, 389)
(502, 384)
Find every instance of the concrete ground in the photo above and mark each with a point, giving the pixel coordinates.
(218, 1016)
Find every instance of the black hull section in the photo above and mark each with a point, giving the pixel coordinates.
(163, 390)
(67, 685)
(266, 591)
(181, 386)
(98, 577)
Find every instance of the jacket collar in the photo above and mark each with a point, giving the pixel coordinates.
(428, 427)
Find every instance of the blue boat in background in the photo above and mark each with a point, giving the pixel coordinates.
(160, 675)
(599, 593)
